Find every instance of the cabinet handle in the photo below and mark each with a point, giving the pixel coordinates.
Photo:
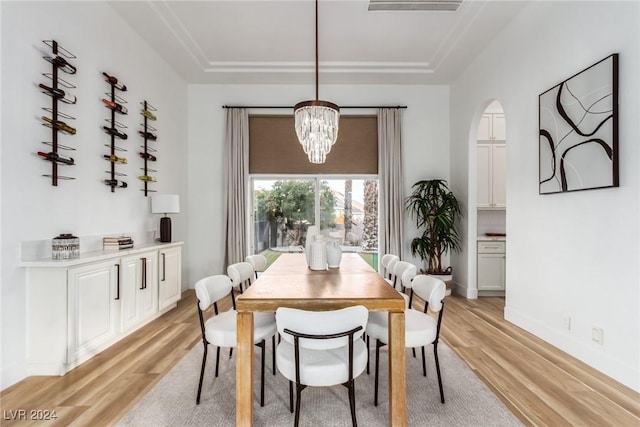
(144, 273)
(117, 282)
(492, 247)
(163, 267)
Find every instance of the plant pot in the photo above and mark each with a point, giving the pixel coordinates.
(447, 278)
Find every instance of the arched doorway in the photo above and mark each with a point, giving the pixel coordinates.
(491, 203)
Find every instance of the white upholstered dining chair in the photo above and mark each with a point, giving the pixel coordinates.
(241, 274)
(321, 348)
(220, 329)
(386, 259)
(421, 329)
(258, 262)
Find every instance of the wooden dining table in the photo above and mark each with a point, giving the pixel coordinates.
(288, 282)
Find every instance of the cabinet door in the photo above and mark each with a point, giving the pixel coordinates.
(491, 272)
(499, 176)
(498, 127)
(170, 280)
(483, 183)
(93, 316)
(484, 128)
(139, 288)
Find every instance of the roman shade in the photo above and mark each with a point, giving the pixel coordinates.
(274, 147)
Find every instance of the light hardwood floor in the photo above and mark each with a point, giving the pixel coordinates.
(540, 384)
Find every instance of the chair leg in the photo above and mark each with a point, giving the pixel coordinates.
(230, 352)
(413, 350)
(435, 353)
(352, 402)
(375, 393)
(411, 298)
(262, 346)
(291, 396)
(368, 339)
(217, 359)
(424, 365)
(204, 362)
(273, 352)
(298, 395)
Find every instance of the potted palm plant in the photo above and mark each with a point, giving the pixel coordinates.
(435, 209)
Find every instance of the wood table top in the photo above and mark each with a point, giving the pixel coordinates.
(290, 283)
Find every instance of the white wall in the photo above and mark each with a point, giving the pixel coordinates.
(34, 210)
(425, 136)
(574, 254)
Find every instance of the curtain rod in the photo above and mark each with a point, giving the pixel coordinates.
(291, 107)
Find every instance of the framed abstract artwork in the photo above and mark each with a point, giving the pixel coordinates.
(578, 135)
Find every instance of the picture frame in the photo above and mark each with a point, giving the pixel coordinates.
(578, 131)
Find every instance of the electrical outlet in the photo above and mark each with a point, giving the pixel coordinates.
(597, 335)
(567, 322)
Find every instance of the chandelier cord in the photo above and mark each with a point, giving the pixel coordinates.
(317, 84)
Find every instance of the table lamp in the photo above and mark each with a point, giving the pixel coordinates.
(165, 204)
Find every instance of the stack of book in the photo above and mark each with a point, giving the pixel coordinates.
(117, 243)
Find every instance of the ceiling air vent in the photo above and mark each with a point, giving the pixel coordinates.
(449, 5)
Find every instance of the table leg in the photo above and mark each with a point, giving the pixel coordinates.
(397, 371)
(244, 370)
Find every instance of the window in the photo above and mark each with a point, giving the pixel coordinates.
(284, 207)
(289, 194)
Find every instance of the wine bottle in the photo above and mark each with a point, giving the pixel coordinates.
(148, 135)
(115, 183)
(60, 125)
(114, 81)
(62, 63)
(115, 159)
(115, 106)
(115, 132)
(147, 178)
(148, 156)
(56, 158)
(56, 93)
(59, 94)
(149, 115)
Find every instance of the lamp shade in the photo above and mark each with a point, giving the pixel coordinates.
(165, 203)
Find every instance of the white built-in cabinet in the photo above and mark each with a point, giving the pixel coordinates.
(491, 265)
(492, 127)
(491, 169)
(93, 316)
(139, 288)
(77, 308)
(170, 280)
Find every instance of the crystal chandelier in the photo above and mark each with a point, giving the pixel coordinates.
(316, 121)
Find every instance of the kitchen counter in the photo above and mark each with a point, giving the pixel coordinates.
(484, 237)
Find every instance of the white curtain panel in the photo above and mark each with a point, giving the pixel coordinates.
(237, 144)
(391, 195)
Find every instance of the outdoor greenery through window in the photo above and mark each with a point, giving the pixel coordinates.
(284, 208)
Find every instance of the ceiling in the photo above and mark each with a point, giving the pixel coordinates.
(273, 41)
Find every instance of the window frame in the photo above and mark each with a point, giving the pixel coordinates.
(315, 177)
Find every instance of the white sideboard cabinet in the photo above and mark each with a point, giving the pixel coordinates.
(93, 314)
(139, 288)
(79, 307)
(170, 280)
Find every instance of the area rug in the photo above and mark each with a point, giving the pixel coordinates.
(172, 402)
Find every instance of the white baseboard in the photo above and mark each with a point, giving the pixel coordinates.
(460, 289)
(12, 374)
(587, 352)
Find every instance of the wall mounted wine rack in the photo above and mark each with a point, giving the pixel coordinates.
(115, 104)
(148, 133)
(58, 89)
